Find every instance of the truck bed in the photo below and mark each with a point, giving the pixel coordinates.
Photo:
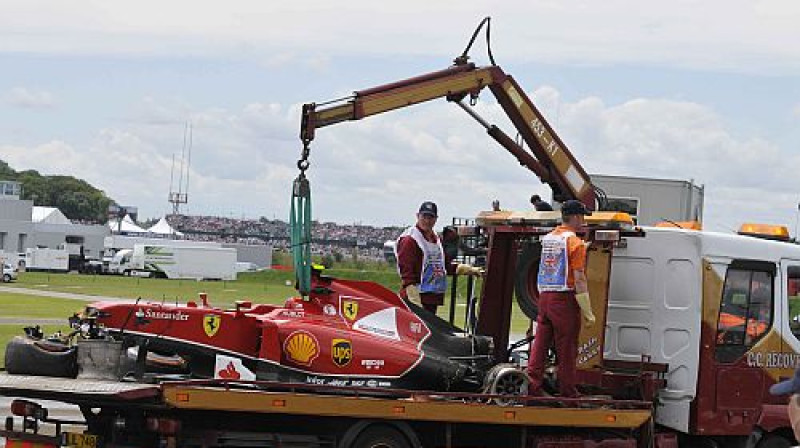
(307, 400)
(76, 391)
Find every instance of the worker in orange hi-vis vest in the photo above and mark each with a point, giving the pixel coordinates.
(563, 298)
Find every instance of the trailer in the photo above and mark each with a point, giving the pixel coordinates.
(176, 262)
(45, 259)
(246, 414)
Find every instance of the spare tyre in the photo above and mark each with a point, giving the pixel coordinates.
(27, 356)
(525, 279)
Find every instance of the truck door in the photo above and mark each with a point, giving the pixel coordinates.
(745, 337)
(790, 326)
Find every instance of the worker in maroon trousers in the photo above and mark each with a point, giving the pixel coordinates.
(563, 298)
(422, 263)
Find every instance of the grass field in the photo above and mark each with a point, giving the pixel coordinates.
(262, 286)
(26, 306)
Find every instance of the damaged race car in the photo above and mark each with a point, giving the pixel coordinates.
(346, 333)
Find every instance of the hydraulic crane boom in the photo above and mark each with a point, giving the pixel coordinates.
(551, 160)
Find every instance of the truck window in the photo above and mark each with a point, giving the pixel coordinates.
(745, 313)
(793, 294)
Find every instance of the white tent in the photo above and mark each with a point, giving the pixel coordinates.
(162, 227)
(48, 215)
(128, 226)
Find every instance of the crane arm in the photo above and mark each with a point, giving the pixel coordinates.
(553, 163)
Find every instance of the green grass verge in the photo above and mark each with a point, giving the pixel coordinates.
(266, 287)
(14, 305)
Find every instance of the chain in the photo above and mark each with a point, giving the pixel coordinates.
(303, 162)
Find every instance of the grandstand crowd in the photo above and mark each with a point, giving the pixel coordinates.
(328, 237)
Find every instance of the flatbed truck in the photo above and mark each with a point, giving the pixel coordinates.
(214, 413)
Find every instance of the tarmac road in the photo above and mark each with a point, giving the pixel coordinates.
(55, 410)
(61, 295)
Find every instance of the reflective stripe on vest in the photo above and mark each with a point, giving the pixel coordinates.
(433, 278)
(554, 263)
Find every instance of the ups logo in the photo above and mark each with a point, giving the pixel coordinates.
(341, 352)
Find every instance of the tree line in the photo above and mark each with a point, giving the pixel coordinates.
(76, 198)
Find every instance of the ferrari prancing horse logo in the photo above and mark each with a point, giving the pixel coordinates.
(350, 309)
(211, 323)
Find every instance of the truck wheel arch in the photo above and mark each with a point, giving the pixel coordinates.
(362, 426)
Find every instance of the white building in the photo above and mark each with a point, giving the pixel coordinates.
(23, 226)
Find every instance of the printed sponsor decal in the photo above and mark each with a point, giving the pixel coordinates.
(373, 364)
(161, 315)
(295, 314)
(350, 309)
(773, 360)
(230, 368)
(382, 323)
(342, 382)
(588, 350)
(415, 327)
(301, 347)
(329, 310)
(211, 324)
(341, 352)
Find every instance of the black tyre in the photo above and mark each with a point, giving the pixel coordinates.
(381, 436)
(525, 280)
(6, 278)
(775, 441)
(26, 356)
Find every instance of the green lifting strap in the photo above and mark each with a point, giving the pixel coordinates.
(300, 223)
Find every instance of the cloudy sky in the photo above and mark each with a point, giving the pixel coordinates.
(703, 90)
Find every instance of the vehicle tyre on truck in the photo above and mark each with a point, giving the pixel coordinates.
(27, 356)
(525, 279)
(775, 441)
(381, 436)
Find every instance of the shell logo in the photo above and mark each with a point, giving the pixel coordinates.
(301, 347)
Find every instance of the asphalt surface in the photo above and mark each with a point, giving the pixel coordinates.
(61, 295)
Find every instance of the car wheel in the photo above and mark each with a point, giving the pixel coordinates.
(26, 356)
(6, 278)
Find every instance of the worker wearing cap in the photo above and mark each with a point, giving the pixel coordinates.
(791, 387)
(563, 298)
(539, 205)
(422, 263)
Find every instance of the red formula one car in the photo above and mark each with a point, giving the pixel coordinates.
(347, 333)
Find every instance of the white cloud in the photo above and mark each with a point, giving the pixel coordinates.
(796, 110)
(740, 35)
(30, 98)
(377, 170)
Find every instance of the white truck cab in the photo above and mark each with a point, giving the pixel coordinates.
(722, 311)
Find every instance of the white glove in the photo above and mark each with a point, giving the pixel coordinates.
(412, 292)
(466, 269)
(585, 303)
